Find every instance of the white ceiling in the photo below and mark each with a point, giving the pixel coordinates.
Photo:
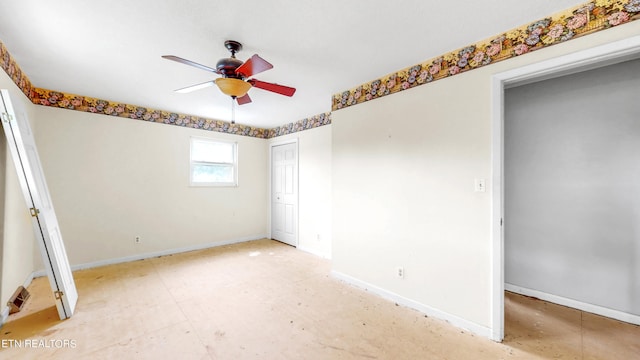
(111, 49)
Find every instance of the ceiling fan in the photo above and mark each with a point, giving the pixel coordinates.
(236, 75)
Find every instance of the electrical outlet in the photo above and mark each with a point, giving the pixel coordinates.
(137, 239)
(400, 272)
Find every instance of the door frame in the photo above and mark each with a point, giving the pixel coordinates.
(296, 187)
(602, 55)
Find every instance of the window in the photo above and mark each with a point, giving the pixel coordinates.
(213, 162)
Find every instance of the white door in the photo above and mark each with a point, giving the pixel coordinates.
(23, 150)
(284, 193)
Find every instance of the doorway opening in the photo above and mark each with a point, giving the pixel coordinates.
(596, 57)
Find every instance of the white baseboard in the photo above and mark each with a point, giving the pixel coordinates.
(157, 254)
(425, 309)
(4, 315)
(314, 252)
(595, 309)
(28, 280)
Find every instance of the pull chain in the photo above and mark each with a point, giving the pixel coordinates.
(233, 109)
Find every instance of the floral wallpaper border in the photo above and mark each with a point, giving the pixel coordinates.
(301, 125)
(97, 106)
(12, 69)
(584, 19)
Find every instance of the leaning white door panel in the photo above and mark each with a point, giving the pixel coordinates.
(22, 147)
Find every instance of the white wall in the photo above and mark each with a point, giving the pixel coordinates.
(403, 195)
(314, 192)
(18, 239)
(112, 179)
(403, 189)
(572, 196)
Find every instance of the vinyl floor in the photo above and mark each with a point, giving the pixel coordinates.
(266, 300)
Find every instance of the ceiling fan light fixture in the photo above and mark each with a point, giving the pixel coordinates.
(234, 72)
(233, 87)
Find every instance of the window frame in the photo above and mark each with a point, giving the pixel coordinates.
(233, 164)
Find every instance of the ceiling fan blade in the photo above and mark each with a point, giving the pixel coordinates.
(189, 62)
(243, 99)
(195, 87)
(253, 65)
(276, 88)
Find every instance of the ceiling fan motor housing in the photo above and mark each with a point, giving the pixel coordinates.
(227, 67)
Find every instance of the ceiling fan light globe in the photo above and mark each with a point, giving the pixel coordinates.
(233, 87)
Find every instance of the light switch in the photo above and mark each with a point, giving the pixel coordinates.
(480, 185)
